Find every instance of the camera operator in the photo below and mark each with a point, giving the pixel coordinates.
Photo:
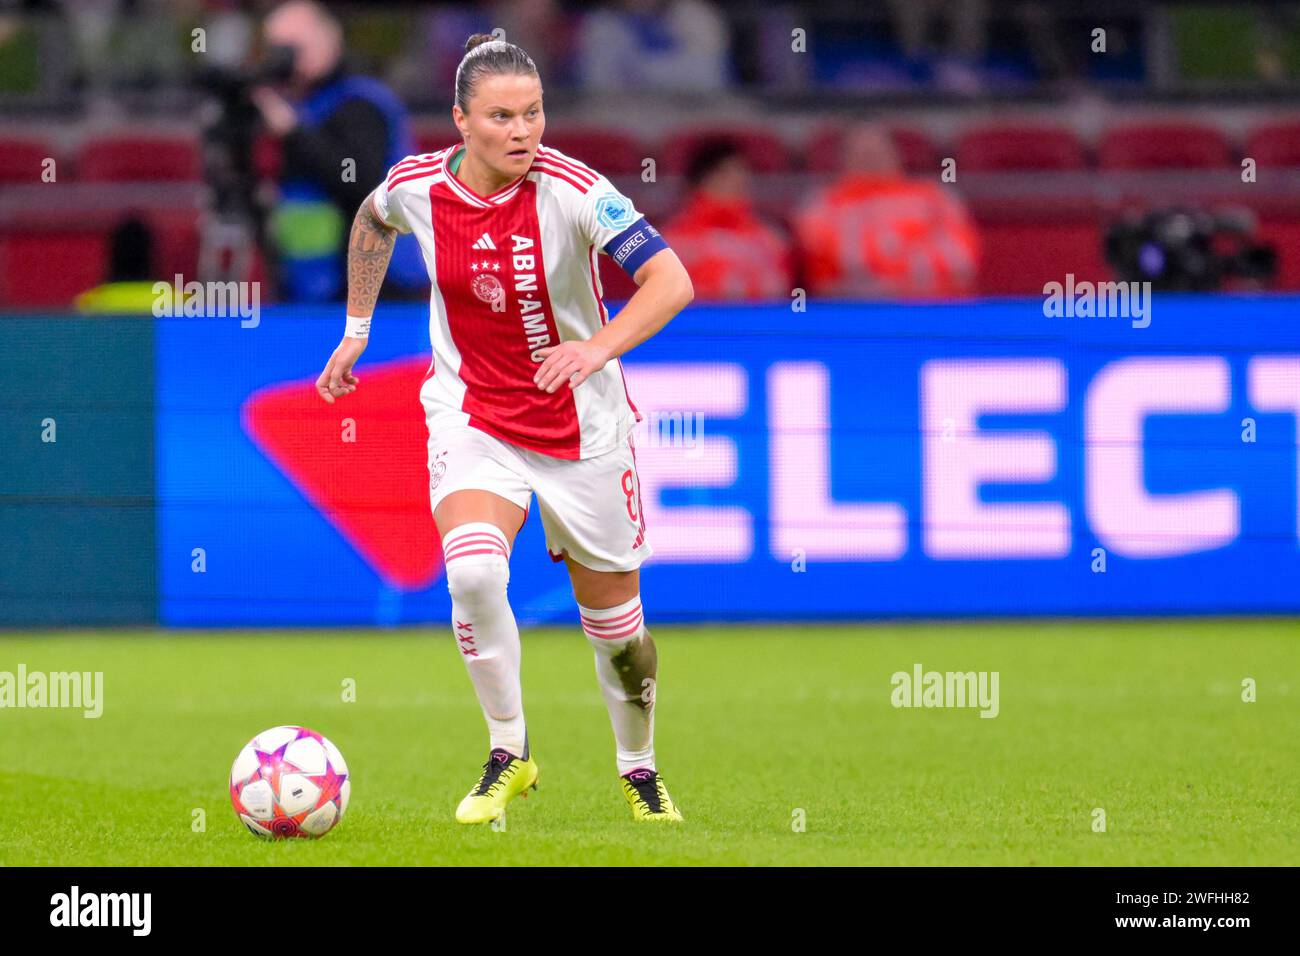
(1191, 250)
(325, 116)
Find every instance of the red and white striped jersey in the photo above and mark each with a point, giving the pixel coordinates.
(514, 273)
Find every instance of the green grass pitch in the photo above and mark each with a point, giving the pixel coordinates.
(1143, 719)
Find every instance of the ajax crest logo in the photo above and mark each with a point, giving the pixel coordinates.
(487, 287)
(613, 212)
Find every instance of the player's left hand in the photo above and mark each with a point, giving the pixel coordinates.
(575, 361)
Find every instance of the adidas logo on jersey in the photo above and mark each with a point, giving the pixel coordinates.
(484, 242)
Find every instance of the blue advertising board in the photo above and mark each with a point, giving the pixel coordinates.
(847, 461)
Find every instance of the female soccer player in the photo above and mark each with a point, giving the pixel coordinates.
(525, 394)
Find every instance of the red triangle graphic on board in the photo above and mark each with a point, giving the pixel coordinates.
(375, 489)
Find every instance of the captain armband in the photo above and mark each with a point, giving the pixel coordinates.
(635, 245)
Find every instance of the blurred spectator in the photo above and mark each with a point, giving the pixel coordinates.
(127, 45)
(728, 250)
(231, 33)
(543, 29)
(341, 132)
(643, 45)
(129, 286)
(539, 26)
(962, 41)
(874, 233)
(33, 50)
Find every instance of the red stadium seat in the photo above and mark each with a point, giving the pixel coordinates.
(1140, 146)
(175, 241)
(21, 160)
(609, 152)
(766, 152)
(140, 158)
(41, 268)
(1041, 148)
(1275, 144)
(916, 151)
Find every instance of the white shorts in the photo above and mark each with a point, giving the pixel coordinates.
(590, 508)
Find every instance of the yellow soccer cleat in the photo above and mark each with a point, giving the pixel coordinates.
(504, 776)
(648, 797)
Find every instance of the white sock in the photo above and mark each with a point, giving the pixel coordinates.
(626, 667)
(478, 570)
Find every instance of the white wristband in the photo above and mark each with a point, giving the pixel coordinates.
(358, 327)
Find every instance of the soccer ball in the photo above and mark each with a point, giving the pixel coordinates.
(289, 782)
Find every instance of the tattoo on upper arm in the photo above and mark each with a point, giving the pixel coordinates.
(369, 249)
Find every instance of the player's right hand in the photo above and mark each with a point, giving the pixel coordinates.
(337, 380)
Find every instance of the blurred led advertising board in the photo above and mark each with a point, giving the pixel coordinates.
(848, 461)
